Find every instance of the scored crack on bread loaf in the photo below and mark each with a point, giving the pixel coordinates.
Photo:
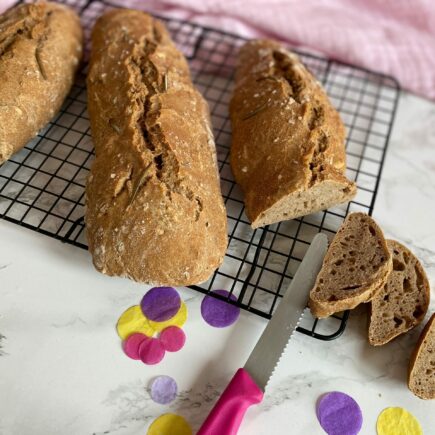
(355, 268)
(155, 212)
(421, 374)
(287, 148)
(403, 301)
(40, 50)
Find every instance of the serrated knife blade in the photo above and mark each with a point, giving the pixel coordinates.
(248, 384)
(270, 346)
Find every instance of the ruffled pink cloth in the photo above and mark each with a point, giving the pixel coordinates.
(396, 37)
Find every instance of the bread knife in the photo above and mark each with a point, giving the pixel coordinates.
(248, 384)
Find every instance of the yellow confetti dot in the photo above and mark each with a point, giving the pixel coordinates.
(133, 320)
(169, 424)
(178, 320)
(397, 421)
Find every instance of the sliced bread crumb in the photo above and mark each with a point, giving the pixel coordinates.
(421, 376)
(403, 301)
(355, 267)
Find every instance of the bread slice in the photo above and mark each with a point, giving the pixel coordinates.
(355, 268)
(287, 146)
(403, 301)
(421, 376)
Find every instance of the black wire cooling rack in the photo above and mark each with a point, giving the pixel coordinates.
(42, 187)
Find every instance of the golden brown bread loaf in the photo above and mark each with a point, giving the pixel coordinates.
(40, 50)
(154, 207)
(287, 150)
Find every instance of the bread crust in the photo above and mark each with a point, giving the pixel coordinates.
(322, 310)
(287, 139)
(40, 51)
(155, 212)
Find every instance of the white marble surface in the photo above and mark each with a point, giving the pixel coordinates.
(63, 372)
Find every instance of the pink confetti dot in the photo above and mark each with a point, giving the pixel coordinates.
(173, 338)
(151, 351)
(132, 343)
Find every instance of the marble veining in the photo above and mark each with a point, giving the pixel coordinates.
(132, 403)
(63, 370)
(2, 338)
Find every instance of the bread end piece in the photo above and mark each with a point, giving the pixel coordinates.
(421, 374)
(403, 301)
(355, 268)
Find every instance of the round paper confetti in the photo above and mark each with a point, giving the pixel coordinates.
(133, 320)
(163, 390)
(173, 338)
(219, 313)
(397, 421)
(169, 424)
(151, 351)
(339, 414)
(160, 303)
(132, 343)
(178, 320)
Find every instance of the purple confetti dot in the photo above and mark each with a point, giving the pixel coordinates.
(161, 303)
(163, 390)
(219, 313)
(339, 414)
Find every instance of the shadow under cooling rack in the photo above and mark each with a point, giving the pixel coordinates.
(42, 187)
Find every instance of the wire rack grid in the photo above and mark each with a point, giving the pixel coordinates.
(42, 186)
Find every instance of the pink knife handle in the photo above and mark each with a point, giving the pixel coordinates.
(227, 415)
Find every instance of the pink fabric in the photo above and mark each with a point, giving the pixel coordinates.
(396, 37)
